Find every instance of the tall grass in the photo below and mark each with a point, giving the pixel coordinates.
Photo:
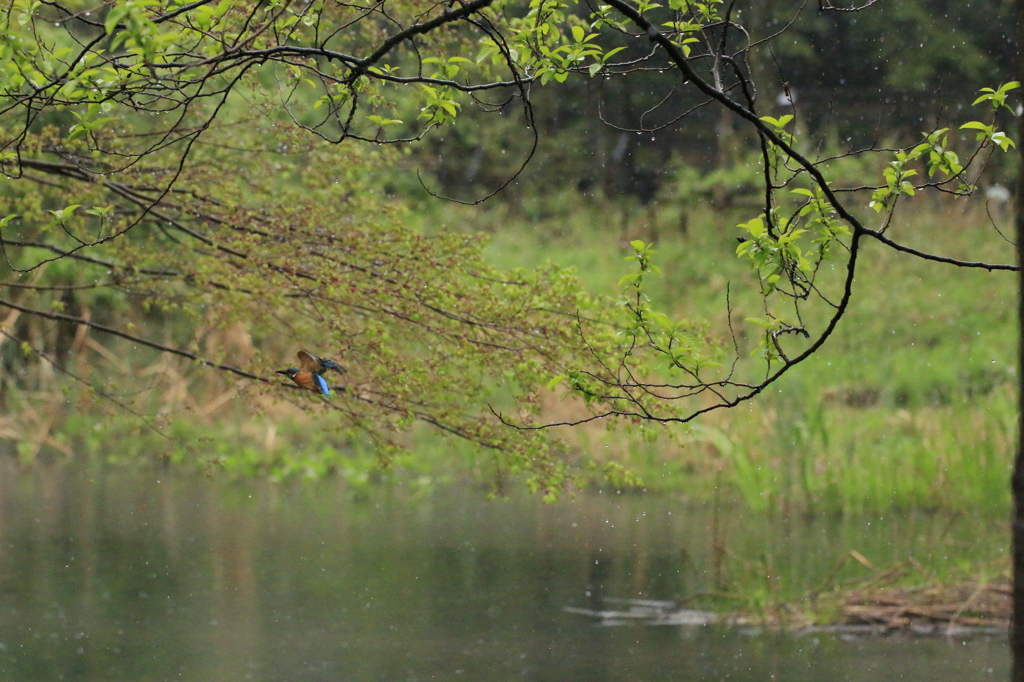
(856, 460)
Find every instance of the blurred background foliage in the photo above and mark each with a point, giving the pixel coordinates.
(857, 79)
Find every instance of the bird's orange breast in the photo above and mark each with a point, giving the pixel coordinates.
(305, 380)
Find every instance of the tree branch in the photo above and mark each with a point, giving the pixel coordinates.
(50, 315)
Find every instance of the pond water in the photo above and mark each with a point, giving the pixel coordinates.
(109, 574)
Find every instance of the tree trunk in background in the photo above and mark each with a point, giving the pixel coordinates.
(1017, 622)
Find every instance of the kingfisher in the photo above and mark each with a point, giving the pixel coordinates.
(309, 373)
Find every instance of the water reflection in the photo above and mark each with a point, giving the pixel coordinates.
(115, 575)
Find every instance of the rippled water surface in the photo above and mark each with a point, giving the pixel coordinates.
(117, 575)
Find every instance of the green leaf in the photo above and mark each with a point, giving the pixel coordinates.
(755, 227)
(661, 318)
(61, 213)
(114, 17)
(383, 121)
(555, 381)
(610, 53)
(1002, 141)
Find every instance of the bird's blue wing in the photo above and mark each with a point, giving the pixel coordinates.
(321, 383)
(331, 364)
